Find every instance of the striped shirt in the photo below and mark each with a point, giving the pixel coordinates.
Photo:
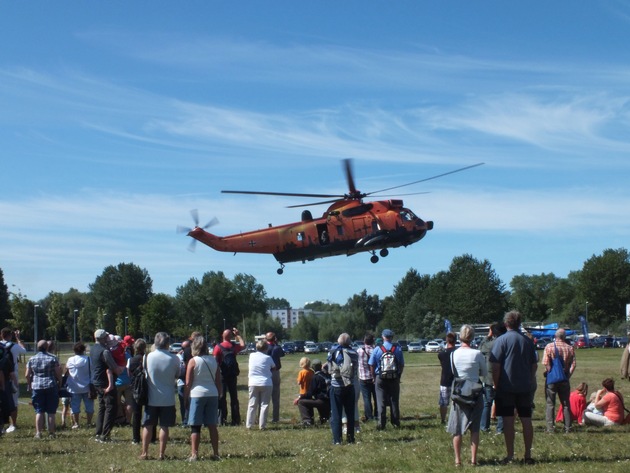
(43, 370)
(566, 352)
(365, 374)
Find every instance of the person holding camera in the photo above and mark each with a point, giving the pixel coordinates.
(225, 354)
(12, 385)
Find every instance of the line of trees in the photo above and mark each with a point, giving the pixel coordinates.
(122, 299)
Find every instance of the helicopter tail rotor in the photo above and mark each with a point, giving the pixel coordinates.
(195, 216)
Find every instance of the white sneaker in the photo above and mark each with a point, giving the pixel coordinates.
(344, 430)
(10, 429)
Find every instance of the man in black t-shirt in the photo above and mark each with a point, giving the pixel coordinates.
(446, 379)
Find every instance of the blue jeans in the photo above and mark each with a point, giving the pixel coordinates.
(368, 392)
(488, 398)
(340, 399)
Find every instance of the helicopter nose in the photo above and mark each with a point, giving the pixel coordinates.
(429, 225)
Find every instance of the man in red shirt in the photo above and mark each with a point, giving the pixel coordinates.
(562, 389)
(225, 354)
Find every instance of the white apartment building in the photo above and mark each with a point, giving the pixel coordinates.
(288, 317)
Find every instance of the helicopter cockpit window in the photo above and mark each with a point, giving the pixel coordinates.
(407, 216)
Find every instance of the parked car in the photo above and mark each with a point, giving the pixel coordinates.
(175, 347)
(326, 346)
(403, 344)
(311, 348)
(288, 348)
(249, 348)
(415, 347)
(541, 343)
(433, 347)
(299, 345)
(580, 343)
(621, 342)
(609, 342)
(598, 342)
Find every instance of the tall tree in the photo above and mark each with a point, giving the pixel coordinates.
(120, 290)
(475, 292)
(276, 303)
(5, 307)
(58, 323)
(369, 307)
(158, 315)
(531, 295)
(604, 283)
(396, 307)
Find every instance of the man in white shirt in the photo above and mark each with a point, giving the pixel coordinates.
(162, 373)
(17, 348)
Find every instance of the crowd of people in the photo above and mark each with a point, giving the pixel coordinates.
(501, 381)
(496, 382)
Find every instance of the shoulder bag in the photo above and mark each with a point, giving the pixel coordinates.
(556, 374)
(464, 392)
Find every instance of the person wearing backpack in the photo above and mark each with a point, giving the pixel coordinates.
(12, 384)
(343, 364)
(225, 354)
(387, 364)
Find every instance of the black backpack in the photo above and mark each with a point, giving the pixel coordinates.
(229, 365)
(139, 384)
(6, 358)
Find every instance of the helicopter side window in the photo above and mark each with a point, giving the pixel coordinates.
(300, 236)
(406, 216)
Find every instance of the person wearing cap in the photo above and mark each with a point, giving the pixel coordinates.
(387, 388)
(43, 375)
(276, 352)
(104, 371)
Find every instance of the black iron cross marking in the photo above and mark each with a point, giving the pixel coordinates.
(252, 243)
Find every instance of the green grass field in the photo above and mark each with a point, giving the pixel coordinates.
(421, 444)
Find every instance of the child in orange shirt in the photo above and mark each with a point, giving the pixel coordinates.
(304, 377)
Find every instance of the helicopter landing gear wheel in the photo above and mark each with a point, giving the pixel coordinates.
(374, 258)
(280, 270)
(384, 252)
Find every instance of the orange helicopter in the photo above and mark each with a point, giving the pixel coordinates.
(349, 226)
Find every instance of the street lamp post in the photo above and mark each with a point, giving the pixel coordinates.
(74, 328)
(126, 319)
(35, 326)
(224, 325)
(586, 311)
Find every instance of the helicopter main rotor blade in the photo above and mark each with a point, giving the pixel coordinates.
(426, 179)
(312, 204)
(347, 164)
(286, 194)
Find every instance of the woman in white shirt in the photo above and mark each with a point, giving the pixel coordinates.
(202, 392)
(79, 373)
(260, 385)
(471, 365)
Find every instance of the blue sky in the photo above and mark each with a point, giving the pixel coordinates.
(117, 118)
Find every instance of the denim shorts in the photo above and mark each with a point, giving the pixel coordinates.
(45, 401)
(203, 411)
